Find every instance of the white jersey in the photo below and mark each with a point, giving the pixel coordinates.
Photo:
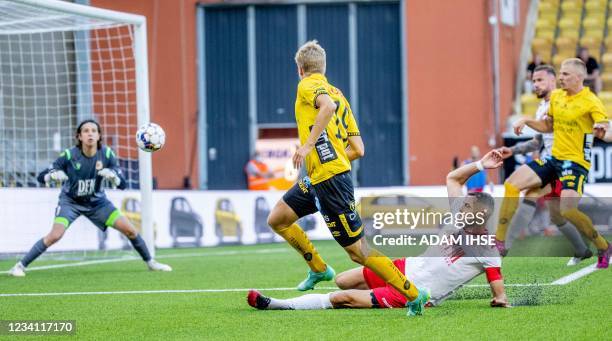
(546, 137)
(443, 275)
(445, 269)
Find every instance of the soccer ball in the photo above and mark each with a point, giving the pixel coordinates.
(150, 137)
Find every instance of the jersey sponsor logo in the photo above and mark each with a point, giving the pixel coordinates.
(324, 148)
(86, 187)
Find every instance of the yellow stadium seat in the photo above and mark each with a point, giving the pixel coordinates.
(576, 15)
(550, 16)
(565, 43)
(570, 33)
(546, 34)
(605, 96)
(569, 23)
(606, 79)
(606, 60)
(529, 104)
(599, 34)
(591, 43)
(592, 6)
(546, 7)
(593, 23)
(559, 58)
(543, 47)
(571, 6)
(545, 24)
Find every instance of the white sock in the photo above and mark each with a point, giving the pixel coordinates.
(571, 233)
(522, 218)
(306, 302)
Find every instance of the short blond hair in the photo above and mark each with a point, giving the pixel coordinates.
(310, 57)
(578, 64)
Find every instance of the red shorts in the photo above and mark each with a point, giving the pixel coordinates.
(386, 296)
(556, 188)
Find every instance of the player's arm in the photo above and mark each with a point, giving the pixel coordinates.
(601, 128)
(57, 170)
(113, 172)
(543, 126)
(356, 148)
(524, 147)
(496, 282)
(457, 178)
(608, 136)
(327, 107)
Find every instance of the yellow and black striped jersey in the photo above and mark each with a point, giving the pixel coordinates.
(328, 157)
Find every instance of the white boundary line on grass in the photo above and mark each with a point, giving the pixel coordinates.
(131, 258)
(561, 281)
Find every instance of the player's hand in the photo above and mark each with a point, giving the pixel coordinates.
(110, 175)
(300, 155)
(56, 175)
(500, 303)
(505, 152)
(518, 126)
(493, 159)
(599, 130)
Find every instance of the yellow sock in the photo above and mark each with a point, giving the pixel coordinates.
(385, 269)
(585, 225)
(506, 212)
(297, 238)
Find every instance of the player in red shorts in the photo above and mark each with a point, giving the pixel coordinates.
(440, 270)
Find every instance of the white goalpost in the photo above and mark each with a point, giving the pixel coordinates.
(61, 63)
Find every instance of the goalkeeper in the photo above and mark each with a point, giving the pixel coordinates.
(82, 170)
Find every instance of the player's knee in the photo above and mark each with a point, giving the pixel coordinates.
(343, 281)
(356, 257)
(340, 299)
(130, 232)
(511, 188)
(557, 219)
(53, 238)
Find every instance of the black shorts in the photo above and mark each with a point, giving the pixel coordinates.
(335, 199)
(570, 174)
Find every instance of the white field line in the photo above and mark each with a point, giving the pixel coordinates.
(574, 276)
(561, 281)
(131, 258)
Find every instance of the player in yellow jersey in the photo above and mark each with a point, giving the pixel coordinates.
(330, 140)
(577, 115)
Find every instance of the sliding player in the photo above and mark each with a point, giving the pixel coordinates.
(82, 169)
(362, 288)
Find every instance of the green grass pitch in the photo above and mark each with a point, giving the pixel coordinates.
(578, 310)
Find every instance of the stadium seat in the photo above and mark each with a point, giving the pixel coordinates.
(593, 23)
(599, 34)
(565, 43)
(559, 58)
(546, 34)
(606, 60)
(545, 24)
(606, 79)
(550, 16)
(571, 6)
(591, 43)
(570, 33)
(529, 104)
(606, 97)
(569, 23)
(547, 7)
(595, 6)
(543, 47)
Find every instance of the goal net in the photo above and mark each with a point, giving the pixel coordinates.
(61, 63)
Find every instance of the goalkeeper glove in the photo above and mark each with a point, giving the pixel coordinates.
(110, 175)
(55, 175)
